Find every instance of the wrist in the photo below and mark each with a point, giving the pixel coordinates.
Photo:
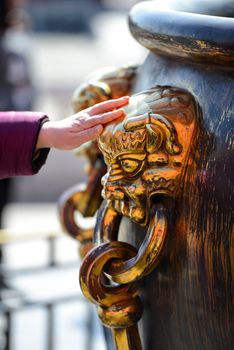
(44, 138)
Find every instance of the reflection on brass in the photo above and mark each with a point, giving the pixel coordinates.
(105, 84)
(147, 153)
(109, 273)
(76, 200)
(86, 199)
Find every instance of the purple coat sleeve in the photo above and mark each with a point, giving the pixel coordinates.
(18, 137)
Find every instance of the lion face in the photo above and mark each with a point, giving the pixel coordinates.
(146, 154)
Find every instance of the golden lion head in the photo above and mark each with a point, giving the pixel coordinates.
(147, 152)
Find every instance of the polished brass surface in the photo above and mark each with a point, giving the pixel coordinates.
(109, 273)
(126, 339)
(147, 153)
(105, 84)
(150, 251)
(86, 199)
(68, 207)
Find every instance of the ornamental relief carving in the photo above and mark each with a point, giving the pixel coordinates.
(85, 199)
(146, 154)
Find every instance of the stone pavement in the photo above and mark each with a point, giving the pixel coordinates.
(29, 325)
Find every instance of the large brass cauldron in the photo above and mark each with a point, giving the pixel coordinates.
(168, 186)
(189, 296)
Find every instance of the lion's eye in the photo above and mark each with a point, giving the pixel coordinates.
(130, 166)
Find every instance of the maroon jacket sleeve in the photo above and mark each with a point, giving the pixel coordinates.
(18, 137)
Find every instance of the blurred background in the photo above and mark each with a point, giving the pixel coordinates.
(47, 48)
(62, 41)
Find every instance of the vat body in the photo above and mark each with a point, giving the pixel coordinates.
(168, 187)
(188, 298)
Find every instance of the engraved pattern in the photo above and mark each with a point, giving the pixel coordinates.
(147, 153)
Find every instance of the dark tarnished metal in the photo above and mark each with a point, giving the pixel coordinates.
(189, 297)
(188, 35)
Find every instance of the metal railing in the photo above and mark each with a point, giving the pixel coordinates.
(21, 303)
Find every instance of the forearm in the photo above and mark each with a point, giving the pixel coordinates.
(25, 137)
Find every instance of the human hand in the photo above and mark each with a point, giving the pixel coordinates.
(81, 127)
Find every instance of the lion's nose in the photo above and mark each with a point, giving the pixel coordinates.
(112, 192)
